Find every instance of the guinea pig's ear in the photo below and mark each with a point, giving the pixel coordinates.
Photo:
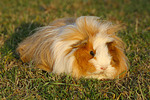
(80, 44)
(115, 28)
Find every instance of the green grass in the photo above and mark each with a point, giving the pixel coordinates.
(18, 18)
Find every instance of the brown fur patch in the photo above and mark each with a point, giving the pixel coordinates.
(82, 56)
(118, 59)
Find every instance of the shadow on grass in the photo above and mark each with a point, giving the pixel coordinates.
(21, 32)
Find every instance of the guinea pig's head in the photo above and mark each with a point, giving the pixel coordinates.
(99, 54)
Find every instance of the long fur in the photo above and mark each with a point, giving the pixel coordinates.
(64, 47)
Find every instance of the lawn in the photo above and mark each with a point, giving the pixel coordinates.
(19, 18)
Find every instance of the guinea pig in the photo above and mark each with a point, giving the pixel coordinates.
(82, 47)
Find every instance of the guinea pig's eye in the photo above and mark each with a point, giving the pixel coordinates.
(92, 53)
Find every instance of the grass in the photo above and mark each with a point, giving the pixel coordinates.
(18, 19)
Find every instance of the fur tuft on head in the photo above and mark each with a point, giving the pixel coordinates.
(83, 47)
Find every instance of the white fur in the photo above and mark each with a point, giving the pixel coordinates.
(63, 62)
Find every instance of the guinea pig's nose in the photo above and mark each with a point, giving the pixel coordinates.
(103, 68)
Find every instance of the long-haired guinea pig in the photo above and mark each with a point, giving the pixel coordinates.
(83, 47)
